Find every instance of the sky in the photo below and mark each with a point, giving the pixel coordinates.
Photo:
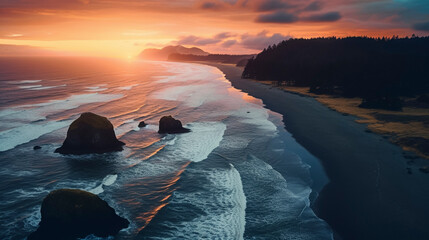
(123, 28)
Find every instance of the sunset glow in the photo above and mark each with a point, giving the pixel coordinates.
(124, 28)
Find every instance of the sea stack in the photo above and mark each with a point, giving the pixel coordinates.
(73, 213)
(168, 124)
(90, 133)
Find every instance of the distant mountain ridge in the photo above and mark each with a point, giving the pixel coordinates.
(164, 53)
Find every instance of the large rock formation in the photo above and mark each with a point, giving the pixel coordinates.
(90, 133)
(73, 213)
(168, 124)
(162, 54)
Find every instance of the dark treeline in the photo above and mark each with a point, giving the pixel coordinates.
(380, 70)
(222, 58)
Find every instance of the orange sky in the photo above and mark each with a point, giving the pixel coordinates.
(117, 28)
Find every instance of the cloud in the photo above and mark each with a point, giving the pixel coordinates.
(277, 17)
(224, 35)
(324, 17)
(197, 41)
(226, 40)
(271, 5)
(422, 26)
(313, 6)
(261, 40)
(210, 5)
(229, 43)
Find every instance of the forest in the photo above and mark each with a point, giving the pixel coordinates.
(379, 70)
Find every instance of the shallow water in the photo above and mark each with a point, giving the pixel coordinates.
(237, 175)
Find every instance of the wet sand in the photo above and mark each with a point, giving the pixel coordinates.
(375, 191)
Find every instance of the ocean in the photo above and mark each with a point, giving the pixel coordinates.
(237, 175)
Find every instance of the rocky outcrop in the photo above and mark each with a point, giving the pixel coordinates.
(90, 133)
(73, 213)
(142, 124)
(168, 124)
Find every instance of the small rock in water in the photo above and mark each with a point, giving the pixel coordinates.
(168, 124)
(37, 147)
(73, 213)
(142, 124)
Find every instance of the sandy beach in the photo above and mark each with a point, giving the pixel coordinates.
(375, 190)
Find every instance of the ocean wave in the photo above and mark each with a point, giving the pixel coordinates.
(24, 81)
(280, 207)
(11, 138)
(39, 111)
(192, 95)
(183, 72)
(221, 199)
(47, 87)
(199, 143)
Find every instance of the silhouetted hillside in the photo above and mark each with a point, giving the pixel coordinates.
(379, 70)
(221, 58)
(162, 54)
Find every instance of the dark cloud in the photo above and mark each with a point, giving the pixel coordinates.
(46, 4)
(313, 6)
(271, 5)
(277, 17)
(197, 41)
(210, 5)
(422, 26)
(324, 17)
(228, 43)
(261, 40)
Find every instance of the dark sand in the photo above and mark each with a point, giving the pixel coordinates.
(370, 195)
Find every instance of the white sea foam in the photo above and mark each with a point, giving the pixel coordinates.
(97, 88)
(199, 143)
(193, 146)
(257, 116)
(24, 81)
(31, 222)
(192, 95)
(128, 87)
(47, 87)
(25, 133)
(279, 201)
(182, 72)
(107, 181)
(224, 205)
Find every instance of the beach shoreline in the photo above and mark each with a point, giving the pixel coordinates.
(375, 190)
